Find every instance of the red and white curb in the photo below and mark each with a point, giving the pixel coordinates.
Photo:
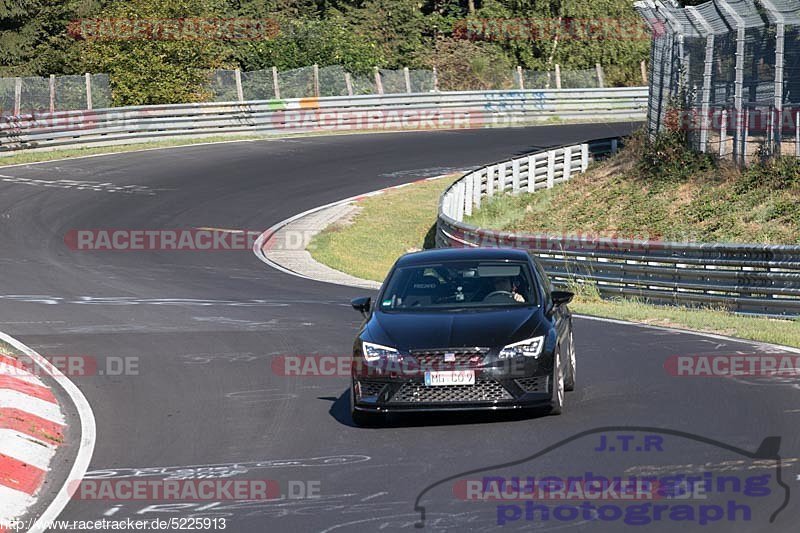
(32, 427)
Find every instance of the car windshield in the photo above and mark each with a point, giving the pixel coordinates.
(459, 284)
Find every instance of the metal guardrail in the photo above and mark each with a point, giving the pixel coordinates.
(398, 111)
(745, 278)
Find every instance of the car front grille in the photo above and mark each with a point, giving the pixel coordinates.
(371, 388)
(462, 358)
(483, 391)
(535, 384)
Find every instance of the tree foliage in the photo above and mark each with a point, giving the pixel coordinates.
(359, 34)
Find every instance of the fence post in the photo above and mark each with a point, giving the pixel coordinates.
(237, 74)
(519, 78)
(745, 134)
(17, 96)
(723, 132)
(378, 82)
(52, 93)
(435, 80)
(614, 146)
(551, 168)
(275, 85)
(601, 80)
(316, 80)
(644, 71)
(567, 172)
(558, 76)
(407, 76)
(779, 59)
(88, 91)
(349, 83)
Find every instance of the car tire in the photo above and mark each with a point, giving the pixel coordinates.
(569, 380)
(557, 394)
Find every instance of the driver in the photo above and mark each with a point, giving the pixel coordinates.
(503, 284)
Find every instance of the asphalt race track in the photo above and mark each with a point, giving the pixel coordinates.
(205, 326)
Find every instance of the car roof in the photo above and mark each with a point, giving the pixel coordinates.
(460, 254)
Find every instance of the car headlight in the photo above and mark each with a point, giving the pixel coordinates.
(529, 348)
(373, 352)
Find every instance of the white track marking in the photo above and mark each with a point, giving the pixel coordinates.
(25, 449)
(13, 503)
(11, 399)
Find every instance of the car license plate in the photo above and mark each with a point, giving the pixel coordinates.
(449, 377)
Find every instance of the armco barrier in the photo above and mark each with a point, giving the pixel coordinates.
(397, 111)
(746, 278)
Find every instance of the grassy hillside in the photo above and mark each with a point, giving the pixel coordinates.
(664, 192)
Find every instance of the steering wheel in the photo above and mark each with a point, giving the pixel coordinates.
(495, 294)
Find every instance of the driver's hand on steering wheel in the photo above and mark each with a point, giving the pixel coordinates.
(518, 297)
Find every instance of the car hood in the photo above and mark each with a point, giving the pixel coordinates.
(479, 328)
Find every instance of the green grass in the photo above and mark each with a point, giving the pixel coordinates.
(386, 226)
(22, 157)
(661, 192)
(402, 220)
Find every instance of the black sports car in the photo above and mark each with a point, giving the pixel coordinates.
(457, 329)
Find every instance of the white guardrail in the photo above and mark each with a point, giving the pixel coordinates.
(446, 110)
(745, 278)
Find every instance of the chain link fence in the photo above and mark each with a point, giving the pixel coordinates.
(309, 82)
(728, 72)
(56, 93)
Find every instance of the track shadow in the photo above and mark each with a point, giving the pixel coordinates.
(340, 411)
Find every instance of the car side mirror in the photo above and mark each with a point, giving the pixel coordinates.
(562, 297)
(361, 304)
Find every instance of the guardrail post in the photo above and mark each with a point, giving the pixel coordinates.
(460, 198)
(349, 83)
(614, 145)
(237, 74)
(531, 173)
(378, 82)
(501, 178)
(567, 163)
(52, 93)
(88, 91)
(601, 80)
(275, 83)
(490, 180)
(515, 176)
(644, 72)
(407, 76)
(469, 194)
(551, 168)
(476, 188)
(316, 80)
(558, 76)
(584, 157)
(17, 96)
(520, 80)
(435, 79)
